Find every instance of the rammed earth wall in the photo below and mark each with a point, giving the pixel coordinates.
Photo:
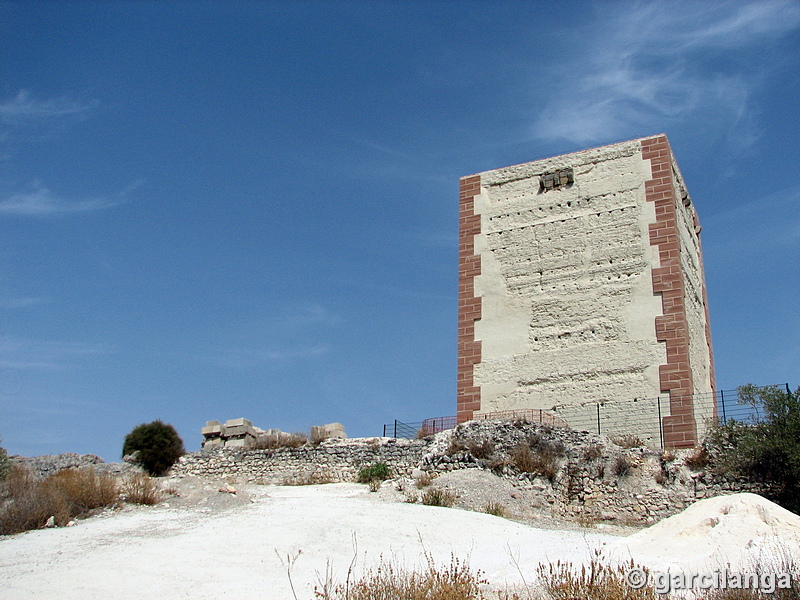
(593, 478)
(581, 279)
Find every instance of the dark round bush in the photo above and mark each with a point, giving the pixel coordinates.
(157, 446)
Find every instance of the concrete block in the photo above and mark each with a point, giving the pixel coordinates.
(213, 430)
(238, 422)
(335, 430)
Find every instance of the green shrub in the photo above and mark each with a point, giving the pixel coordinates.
(379, 471)
(157, 446)
(768, 450)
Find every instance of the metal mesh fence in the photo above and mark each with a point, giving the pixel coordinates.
(642, 417)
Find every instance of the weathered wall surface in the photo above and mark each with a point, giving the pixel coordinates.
(557, 298)
(332, 460)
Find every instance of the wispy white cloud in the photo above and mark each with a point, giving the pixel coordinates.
(24, 109)
(27, 353)
(39, 201)
(652, 65)
(21, 302)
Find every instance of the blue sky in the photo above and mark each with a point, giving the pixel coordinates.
(223, 209)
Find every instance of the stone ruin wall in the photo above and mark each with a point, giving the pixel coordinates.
(583, 292)
(581, 489)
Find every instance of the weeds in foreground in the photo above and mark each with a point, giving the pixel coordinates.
(27, 502)
(388, 581)
(595, 581)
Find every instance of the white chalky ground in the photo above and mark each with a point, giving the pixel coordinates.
(168, 553)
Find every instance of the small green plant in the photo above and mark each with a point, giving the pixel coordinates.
(142, 489)
(438, 497)
(379, 471)
(496, 509)
(157, 446)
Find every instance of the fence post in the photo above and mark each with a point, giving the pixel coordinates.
(722, 401)
(384, 430)
(660, 423)
(395, 428)
(598, 418)
(788, 391)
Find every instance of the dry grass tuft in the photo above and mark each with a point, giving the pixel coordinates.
(423, 481)
(592, 452)
(281, 440)
(309, 478)
(595, 581)
(438, 497)
(422, 433)
(390, 582)
(622, 466)
(142, 489)
(627, 441)
(526, 461)
(698, 459)
(481, 449)
(496, 509)
(28, 502)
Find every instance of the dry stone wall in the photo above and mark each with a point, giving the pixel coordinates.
(580, 475)
(331, 460)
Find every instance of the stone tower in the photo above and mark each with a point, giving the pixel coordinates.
(581, 280)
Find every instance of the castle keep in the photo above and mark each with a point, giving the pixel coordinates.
(581, 281)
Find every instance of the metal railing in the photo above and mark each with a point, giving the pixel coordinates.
(641, 416)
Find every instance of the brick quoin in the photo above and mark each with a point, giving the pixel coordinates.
(680, 428)
(469, 306)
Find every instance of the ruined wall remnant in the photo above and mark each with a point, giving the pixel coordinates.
(581, 281)
(240, 433)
